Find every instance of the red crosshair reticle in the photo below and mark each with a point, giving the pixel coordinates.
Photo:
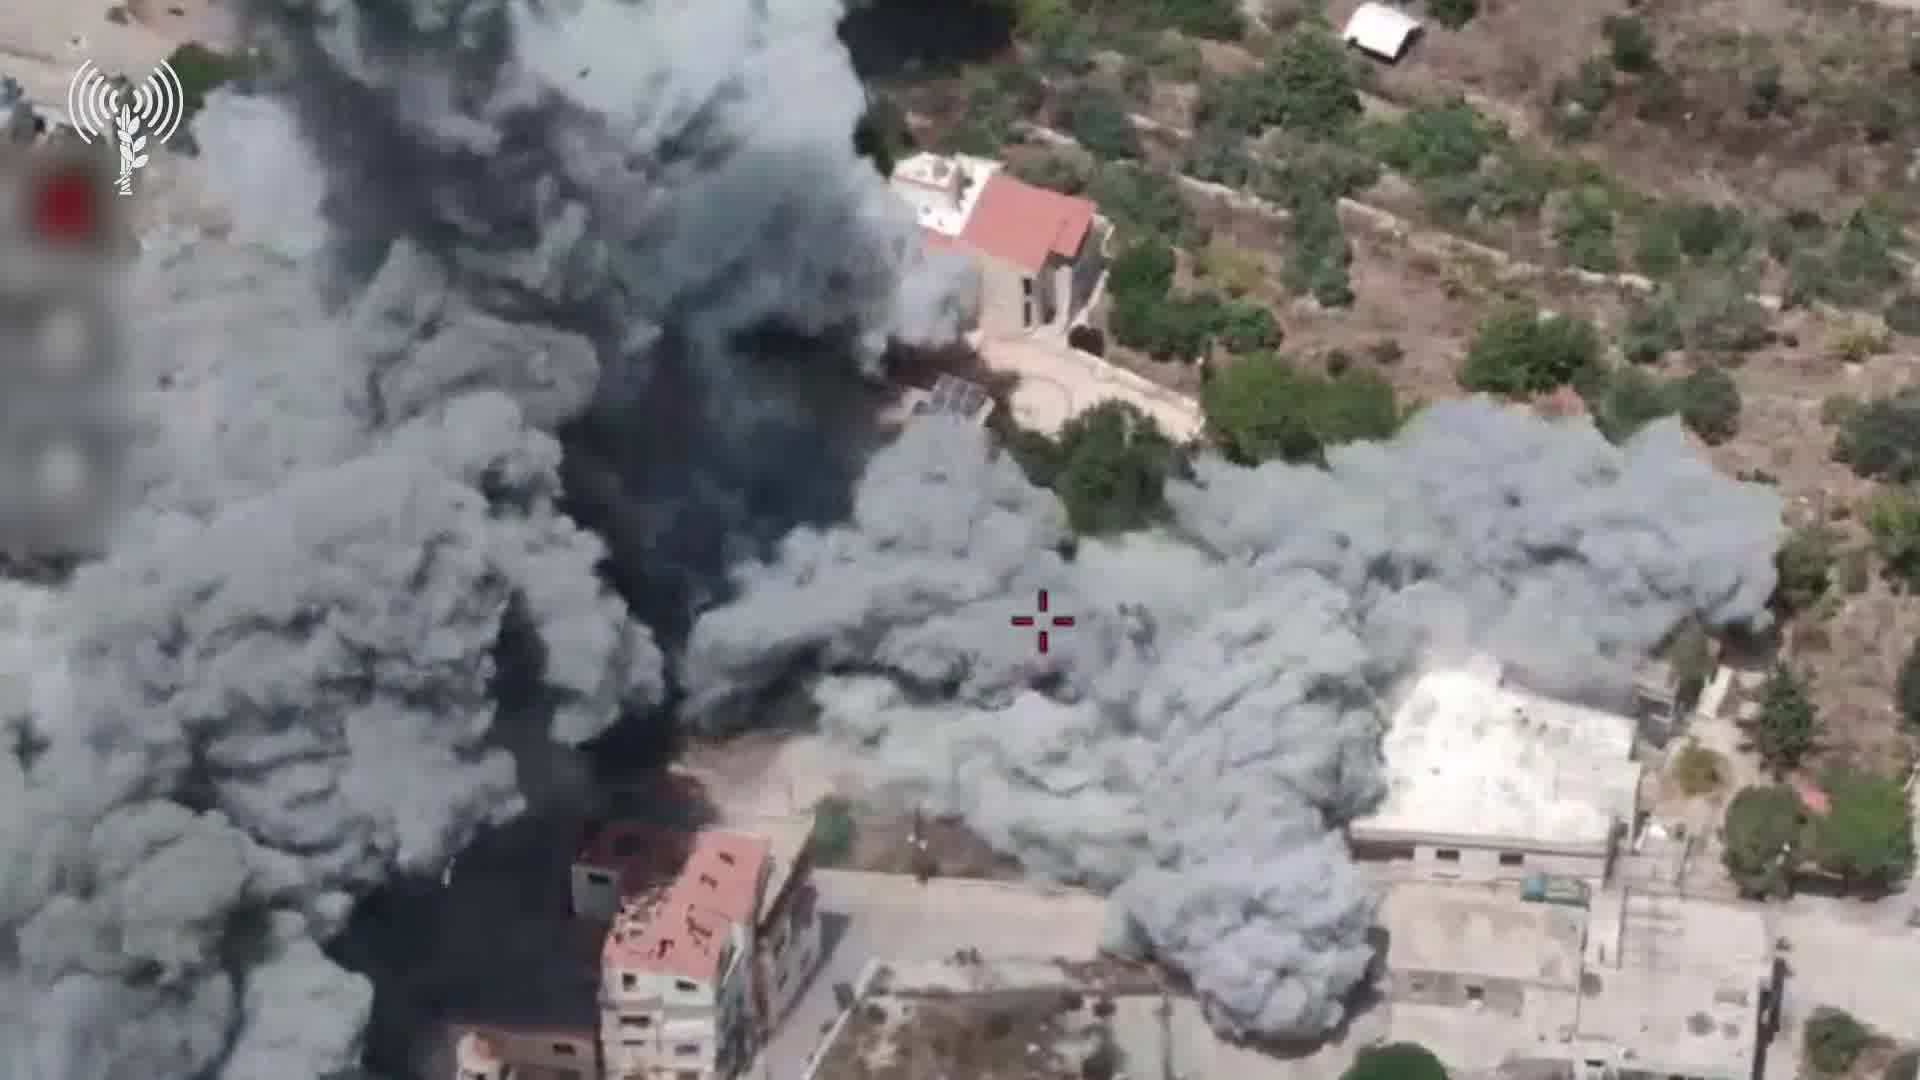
(1030, 621)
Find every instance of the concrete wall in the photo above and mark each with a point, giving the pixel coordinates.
(788, 950)
(1002, 295)
(1426, 862)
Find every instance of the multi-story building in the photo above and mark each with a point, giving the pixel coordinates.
(1040, 253)
(708, 936)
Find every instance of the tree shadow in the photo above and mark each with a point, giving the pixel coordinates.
(892, 37)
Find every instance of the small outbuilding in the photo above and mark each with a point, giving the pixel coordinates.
(1382, 31)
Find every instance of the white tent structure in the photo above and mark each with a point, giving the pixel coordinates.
(1382, 31)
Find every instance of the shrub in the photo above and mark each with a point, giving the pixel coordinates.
(1880, 440)
(1709, 403)
(1143, 201)
(1098, 121)
(1903, 314)
(1453, 14)
(1396, 1061)
(1763, 830)
(1248, 327)
(1576, 103)
(1585, 231)
(1835, 1040)
(1630, 43)
(1805, 569)
(1651, 331)
(1263, 408)
(1064, 173)
(1516, 351)
(1893, 520)
(1114, 464)
(1087, 339)
(1853, 570)
(1318, 255)
(1144, 269)
(1218, 155)
(1624, 401)
(1837, 410)
(1784, 730)
(1766, 92)
(1434, 140)
(834, 831)
(1698, 770)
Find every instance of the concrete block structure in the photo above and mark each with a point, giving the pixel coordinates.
(1634, 986)
(706, 937)
(1487, 782)
(1040, 253)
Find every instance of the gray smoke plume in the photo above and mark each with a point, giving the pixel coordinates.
(452, 238)
(1196, 740)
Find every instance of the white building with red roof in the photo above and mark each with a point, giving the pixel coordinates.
(1040, 253)
(706, 937)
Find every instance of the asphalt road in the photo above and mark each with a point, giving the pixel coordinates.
(894, 917)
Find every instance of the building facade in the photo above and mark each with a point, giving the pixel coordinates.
(708, 936)
(1040, 253)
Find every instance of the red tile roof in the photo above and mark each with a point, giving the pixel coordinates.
(1023, 224)
(683, 929)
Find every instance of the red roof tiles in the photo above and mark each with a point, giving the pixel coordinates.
(682, 929)
(1023, 224)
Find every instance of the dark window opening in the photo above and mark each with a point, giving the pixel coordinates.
(1476, 993)
(1512, 858)
(1447, 855)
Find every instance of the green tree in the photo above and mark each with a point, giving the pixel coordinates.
(1518, 352)
(1584, 231)
(1626, 400)
(1318, 255)
(1145, 268)
(1784, 731)
(1893, 520)
(1763, 831)
(1396, 1061)
(1835, 1040)
(1709, 403)
(1630, 44)
(1881, 439)
(1263, 408)
(1098, 120)
(1651, 331)
(1114, 464)
(1143, 201)
(1308, 83)
(834, 831)
(1248, 327)
(202, 70)
(1437, 139)
(1866, 835)
(1804, 565)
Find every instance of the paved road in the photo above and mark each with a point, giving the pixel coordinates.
(894, 917)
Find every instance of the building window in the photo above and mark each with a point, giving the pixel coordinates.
(1447, 854)
(687, 1049)
(1026, 287)
(1512, 858)
(564, 1049)
(600, 877)
(1476, 993)
(629, 981)
(685, 986)
(641, 1022)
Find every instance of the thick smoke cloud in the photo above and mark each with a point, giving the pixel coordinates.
(1194, 742)
(472, 235)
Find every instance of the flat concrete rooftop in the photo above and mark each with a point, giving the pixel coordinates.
(1481, 930)
(1468, 757)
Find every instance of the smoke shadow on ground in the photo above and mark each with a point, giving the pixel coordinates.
(888, 37)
